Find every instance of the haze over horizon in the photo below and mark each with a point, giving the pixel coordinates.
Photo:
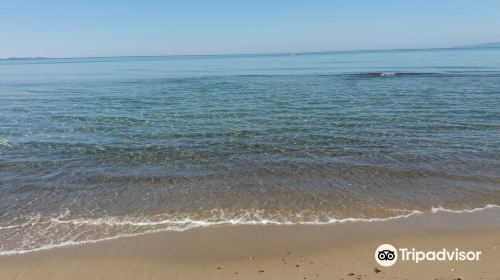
(55, 28)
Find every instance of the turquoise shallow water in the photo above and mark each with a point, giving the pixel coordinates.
(94, 148)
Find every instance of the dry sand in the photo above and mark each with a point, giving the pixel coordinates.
(342, 251)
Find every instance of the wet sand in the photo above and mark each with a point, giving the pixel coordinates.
(342, 251)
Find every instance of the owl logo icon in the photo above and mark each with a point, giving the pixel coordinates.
(386, 255)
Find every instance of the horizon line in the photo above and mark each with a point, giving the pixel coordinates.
(260, 53)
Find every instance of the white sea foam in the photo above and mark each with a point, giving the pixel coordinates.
(32, 220)
(187, 224)
(388, 74)
(442, 209)
(9, 227)
(4, 142)
(181, 225)
(236, 221)
(67, 244)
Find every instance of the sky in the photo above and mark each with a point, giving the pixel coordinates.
(69, 28)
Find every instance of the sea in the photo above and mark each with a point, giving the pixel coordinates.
(108, 147)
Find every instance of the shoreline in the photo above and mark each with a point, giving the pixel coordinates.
(207, 224)
(275, 252)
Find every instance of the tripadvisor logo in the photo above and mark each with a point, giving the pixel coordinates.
(387, 255)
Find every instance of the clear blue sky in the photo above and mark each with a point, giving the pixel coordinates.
(61, 28)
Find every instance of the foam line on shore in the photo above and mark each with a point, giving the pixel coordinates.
(190, 224)
(442, 209)
(236, 221)
(187, 224)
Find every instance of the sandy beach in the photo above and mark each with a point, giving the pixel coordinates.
(340, 251)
